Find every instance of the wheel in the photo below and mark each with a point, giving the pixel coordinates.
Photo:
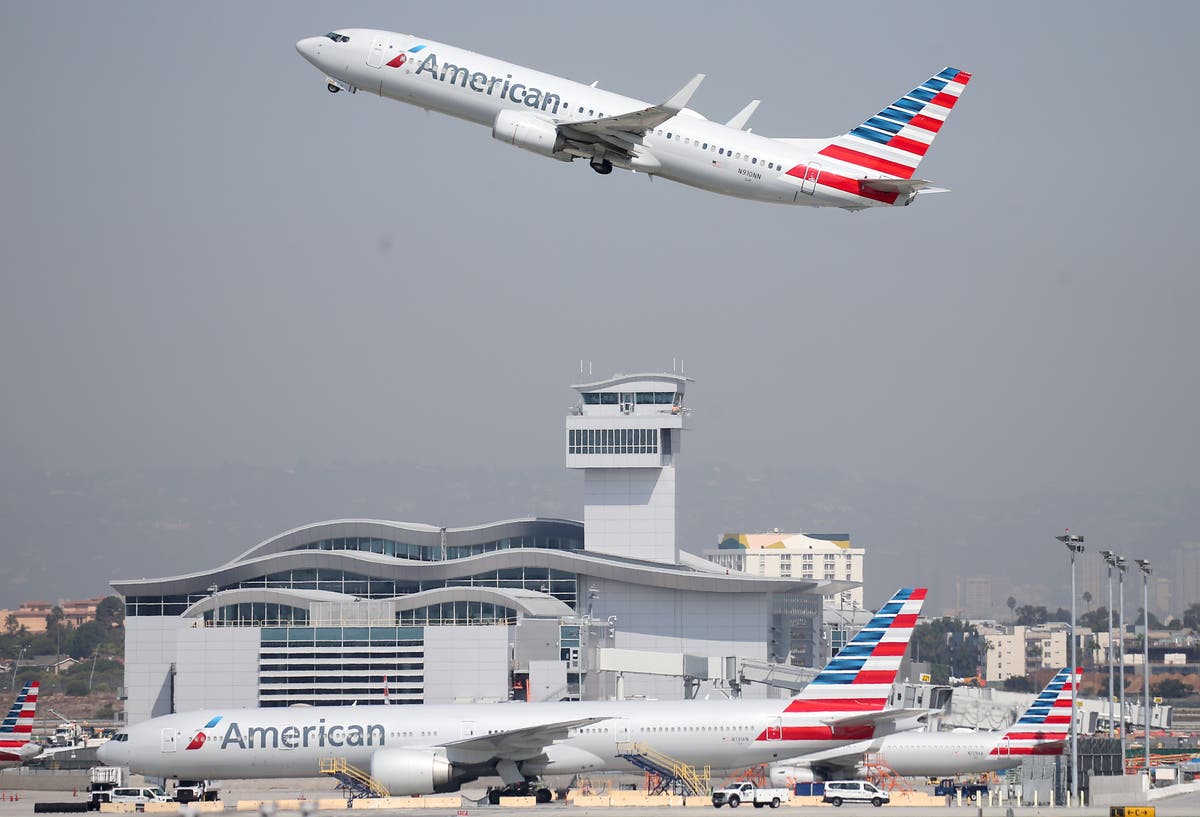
(774, 802)
(734, 802)
(603, 167)
(837, 801)
(759, 805)
(717, 805)
(877, 801)
(493, 797)
(333, 89)
(542, 796)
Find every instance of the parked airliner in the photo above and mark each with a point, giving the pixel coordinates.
(872, 165)
(433, 748)
(1042, 730)
(16, 732)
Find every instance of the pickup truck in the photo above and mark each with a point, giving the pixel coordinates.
(733, 796)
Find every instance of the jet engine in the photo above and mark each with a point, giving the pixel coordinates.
(786, 775)
(412, 771)
(528, 131)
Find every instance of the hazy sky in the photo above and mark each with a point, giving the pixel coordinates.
(210, 259)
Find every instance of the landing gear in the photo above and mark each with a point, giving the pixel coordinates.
(333, 89)
(529, 788)
(603, 167)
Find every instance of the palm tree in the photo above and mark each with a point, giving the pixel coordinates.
(1012, 606)
(1087, 599)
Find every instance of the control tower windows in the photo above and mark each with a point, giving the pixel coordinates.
(613, 441)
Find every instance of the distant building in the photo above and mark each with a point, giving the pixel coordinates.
(32, 614)
(974, 596)
(1016, 651)
(819, 556)
(1185, 580)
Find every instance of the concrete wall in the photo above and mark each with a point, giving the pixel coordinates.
(216, 667)
(466, 663)
(150, 645)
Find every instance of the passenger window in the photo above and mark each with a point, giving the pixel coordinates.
(668, 134)
(754, 161)
(705, 146)
(721, 151)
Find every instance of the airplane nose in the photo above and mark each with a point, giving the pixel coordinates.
(107, 754)
(308, 48)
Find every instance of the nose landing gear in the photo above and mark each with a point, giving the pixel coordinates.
(603, 166)
(333, 89)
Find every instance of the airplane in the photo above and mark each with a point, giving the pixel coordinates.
(1041, 730)
(16, 732)
(872, 165)
(421, 749)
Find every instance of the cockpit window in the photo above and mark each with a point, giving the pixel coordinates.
(338, 38)
(120, 736)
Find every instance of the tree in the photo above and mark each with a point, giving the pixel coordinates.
(1191, 616)
(952, 646)
(1087, 599)
(110, 612)
(1030, 616)
(1096, 619)
(1018, 683)
(11, 625)
(1171, 688)
(1012, 604)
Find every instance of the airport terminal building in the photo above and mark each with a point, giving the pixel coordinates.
(371, 611)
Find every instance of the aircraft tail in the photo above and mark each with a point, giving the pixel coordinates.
(859, 678)
(893, 141)
(1044, 727)
(19, 723)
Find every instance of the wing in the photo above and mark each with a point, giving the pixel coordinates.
(513, 744)
(915, 717)
(622, 132)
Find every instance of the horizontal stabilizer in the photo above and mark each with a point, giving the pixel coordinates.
(905, 186)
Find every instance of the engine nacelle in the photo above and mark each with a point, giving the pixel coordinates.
(411, 771)
(529, 131)
(785, 776)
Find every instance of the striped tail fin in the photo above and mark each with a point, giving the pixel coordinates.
(1044, 727)
(20, 717)
(859, 678)
(893, 141)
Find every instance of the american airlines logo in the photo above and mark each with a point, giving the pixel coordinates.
(482, 83)
(199, 738)
(296, 737)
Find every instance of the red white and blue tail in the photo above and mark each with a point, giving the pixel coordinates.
(1044, 727)
(893, 141)
(859, 678)
(19, 723)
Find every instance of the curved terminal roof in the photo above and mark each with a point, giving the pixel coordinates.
(526, 602)
(277, 554)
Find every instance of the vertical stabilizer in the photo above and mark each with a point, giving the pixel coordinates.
(1044, 727)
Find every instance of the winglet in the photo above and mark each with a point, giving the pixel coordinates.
(678, 102)
(743, 116)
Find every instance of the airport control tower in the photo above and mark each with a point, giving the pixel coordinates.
(625, 434)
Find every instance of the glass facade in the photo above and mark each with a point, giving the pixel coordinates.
(558, 583)
(644, 398)
(432, 553)
(462, 613)
(327, 666)
(612, 441)
(255, 614)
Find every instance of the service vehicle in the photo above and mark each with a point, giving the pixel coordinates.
(854, 791)
(189, 791)
(103, 780)
(746, 792)
(139, 794)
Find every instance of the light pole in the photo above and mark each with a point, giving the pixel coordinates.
(1074, 543)
(1110, 559)
(1119, 564)
(1144, 564)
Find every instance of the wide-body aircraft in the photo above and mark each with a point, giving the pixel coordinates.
(872, 165)
(16, 732)
(432, 748)
(1041, 730)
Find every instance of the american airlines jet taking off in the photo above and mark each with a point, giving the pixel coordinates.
(1042, 730)
(435, 748)
(871, 166)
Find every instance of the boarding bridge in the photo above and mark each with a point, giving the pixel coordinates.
(730, 671)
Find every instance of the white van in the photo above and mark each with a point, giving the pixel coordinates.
(854, 791)
(139, 794)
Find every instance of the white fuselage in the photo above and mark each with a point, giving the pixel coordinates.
(934, 754)
(687, 148)
(290, 742)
